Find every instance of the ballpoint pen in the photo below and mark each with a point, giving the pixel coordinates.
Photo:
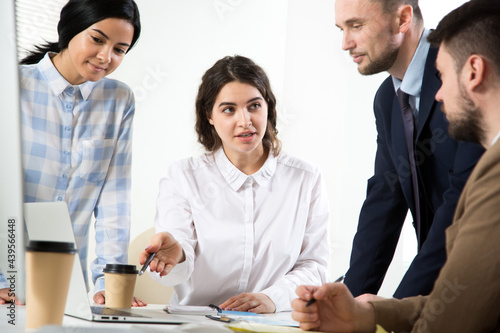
(215, 307)
(146, 264)
(312, 300)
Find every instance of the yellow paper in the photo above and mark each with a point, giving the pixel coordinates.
(255, 327)
(380, 329)
(262, 328)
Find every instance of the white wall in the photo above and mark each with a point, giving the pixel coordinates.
(325, 106)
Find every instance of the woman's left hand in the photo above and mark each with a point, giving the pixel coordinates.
(251, 302)
(136, 301)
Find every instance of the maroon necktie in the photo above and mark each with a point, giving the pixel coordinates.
(409, 125)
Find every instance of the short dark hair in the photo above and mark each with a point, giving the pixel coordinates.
(389, 6)
(78, 15)
(226, 70)
(473, 28)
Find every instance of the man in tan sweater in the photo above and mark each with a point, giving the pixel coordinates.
(466, 295)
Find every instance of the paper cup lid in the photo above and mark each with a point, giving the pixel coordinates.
(120, 268)
(49, 246)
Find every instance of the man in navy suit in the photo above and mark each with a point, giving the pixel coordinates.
(424, 173)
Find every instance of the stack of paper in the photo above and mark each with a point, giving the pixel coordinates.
(191, 310)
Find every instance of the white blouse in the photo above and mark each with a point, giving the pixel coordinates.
(263, 233)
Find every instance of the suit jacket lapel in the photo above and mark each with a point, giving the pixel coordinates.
(430, 86)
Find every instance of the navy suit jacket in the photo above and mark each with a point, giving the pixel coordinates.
(443, 166)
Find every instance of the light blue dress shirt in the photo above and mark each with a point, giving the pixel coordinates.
(412, 81)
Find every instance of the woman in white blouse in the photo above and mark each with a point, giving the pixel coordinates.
(243, 225)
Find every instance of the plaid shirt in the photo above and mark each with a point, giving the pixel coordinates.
(77, 148)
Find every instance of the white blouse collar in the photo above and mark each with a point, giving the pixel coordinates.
(236, 178)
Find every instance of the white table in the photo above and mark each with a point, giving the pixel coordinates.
(76, 325)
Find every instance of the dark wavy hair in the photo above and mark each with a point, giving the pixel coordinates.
(78, 15)
(224, 71)
(473, 28)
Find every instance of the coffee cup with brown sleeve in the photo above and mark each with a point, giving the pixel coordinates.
(48, 274)
(119, 284)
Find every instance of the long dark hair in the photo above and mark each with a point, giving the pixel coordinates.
(224, 71)
(78, 15)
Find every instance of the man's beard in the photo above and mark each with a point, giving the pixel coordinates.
(469, 125)
(381, 64)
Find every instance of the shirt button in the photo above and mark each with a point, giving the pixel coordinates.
(68, 106)
(67, 128)
(65, 176)
(59, 198)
